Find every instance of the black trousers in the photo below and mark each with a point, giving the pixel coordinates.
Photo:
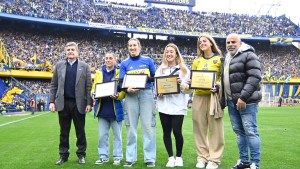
(169, 123)
(65, 117)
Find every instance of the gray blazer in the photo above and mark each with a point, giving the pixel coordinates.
(82, 87)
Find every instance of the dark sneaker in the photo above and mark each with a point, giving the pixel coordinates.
(241, 165)
(128, 164)
(101, 161)
(61, 161)
(150, 164)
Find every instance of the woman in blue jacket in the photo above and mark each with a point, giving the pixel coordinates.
(109, 111)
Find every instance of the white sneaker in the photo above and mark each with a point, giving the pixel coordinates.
(178, 162)
(117, 162)
(253, 166)
(212, 165)
(171, 162)
(200, 164)
(101, 161)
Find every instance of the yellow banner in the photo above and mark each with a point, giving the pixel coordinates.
(8, 98)
(27, 74)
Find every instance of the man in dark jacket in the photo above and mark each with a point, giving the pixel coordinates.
(241, 82)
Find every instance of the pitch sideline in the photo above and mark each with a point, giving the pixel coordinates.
(1, 125)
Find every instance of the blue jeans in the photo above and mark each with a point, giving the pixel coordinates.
(245, 126)
(103, 144)
(32, 109)
(140, 105)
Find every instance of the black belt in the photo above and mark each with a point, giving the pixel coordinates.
(70, 99)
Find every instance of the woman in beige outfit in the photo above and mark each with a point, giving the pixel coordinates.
(207, 115)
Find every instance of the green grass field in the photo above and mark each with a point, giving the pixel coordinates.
(32, 142)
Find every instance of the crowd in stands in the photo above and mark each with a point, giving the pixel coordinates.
(278, 61)
(281, 62)
(151, 17)
(46, 46)
(104, 2)
(38, 86)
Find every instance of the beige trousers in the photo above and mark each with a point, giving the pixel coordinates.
(208, 131)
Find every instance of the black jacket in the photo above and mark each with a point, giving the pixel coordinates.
(244, 76)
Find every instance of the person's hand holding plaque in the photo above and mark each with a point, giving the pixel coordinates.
(115, 96)
(216, 88)
(160, 95)
(179, 80)
(132, 90)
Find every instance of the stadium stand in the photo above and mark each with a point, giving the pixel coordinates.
(35, 46)
(23, 45)
(152, 17)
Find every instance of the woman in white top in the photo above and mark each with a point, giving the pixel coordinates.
(173, 107)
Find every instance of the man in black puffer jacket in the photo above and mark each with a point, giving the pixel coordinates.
(241, 91)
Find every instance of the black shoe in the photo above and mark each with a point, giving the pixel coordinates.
(150, 164)
(241, 165)
(81, 160)
(128, 164)
(61, 161)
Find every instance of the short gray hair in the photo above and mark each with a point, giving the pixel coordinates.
(72, 44)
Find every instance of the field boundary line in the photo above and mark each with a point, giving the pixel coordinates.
(1, 125)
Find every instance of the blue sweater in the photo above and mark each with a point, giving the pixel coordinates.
(138, 65)
(106, 107)
(70, 80)
(117, 108)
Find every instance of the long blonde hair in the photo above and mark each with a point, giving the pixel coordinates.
(214, 47)
(179, 59)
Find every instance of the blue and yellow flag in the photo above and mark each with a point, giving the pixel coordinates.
(35, 60)
(8, 98)
(19, 61)
(48, 66)
(1, 56)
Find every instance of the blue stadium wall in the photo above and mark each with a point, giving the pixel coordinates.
(282, 90)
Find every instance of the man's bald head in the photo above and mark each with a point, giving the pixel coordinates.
(233, 43)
